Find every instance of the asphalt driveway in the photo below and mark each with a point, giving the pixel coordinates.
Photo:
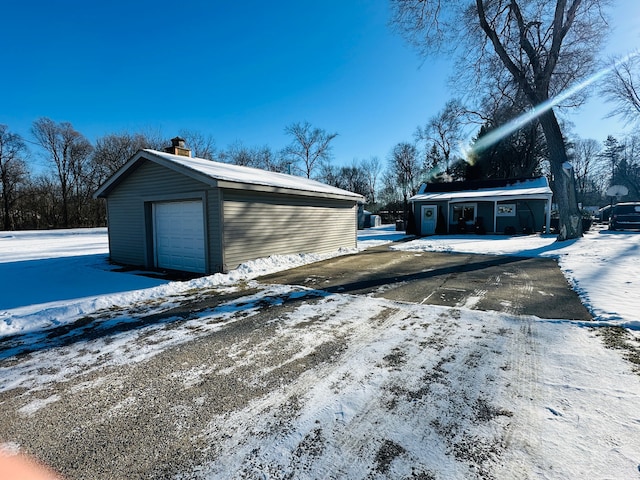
(517, 285)
(205, 385)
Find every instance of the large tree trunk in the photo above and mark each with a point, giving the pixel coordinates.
(563, 183)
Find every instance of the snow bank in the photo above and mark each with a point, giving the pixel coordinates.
(50, 278)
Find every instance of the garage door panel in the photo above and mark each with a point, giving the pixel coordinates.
(179, 236)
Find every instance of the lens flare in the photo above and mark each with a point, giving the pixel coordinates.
(435, 172)
(508, 128)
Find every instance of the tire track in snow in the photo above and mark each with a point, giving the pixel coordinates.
(342, 413)
(278, 411)
(521, 292)
(375, 409)
(523, 365)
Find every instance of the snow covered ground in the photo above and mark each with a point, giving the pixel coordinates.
(52, 277)
(508, 396)
(48, 278)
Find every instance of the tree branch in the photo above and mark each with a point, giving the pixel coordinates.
(518, 75)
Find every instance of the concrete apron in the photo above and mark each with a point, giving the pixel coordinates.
(516, 285)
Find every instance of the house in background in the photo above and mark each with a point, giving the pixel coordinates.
(169, 211)
(491, 206)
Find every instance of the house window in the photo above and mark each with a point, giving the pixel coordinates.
(464, 212)
(506, 210)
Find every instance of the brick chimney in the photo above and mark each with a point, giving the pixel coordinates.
(178, 147)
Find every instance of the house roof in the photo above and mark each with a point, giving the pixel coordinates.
(524, 188)
(226, 175)
(464, 185)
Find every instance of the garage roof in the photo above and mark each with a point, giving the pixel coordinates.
(228, 176)
(532, 188)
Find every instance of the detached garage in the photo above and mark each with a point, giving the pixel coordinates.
(168, 211)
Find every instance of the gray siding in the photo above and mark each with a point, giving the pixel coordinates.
(214, 230)
(485, 214)
(529, 215)
(129, 222)
(260, 224)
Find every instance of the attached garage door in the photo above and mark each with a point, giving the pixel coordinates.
(179, 242)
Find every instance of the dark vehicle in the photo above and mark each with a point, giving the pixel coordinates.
(625, 215)
(604, 213)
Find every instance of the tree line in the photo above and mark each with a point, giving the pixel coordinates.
(61, 194)
(517, 60)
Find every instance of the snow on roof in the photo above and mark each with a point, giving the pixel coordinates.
(253, 176)
(537, 187)
(209, 169)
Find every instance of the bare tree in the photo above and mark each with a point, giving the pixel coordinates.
(544, 45)
(113, 150)
(444, 131)
(406, 170)
(154, 138)
(201, 145)
(68, 151)
(83, 185)
(371, 169)
(329, 174)
(13, 172)
(257, 157)
(309, 146)
(239, 154)
(351, 178)
(587, 165)
(622, 88)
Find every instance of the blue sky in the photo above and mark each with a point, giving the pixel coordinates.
(235, 70)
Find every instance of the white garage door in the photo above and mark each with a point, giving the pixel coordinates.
(179, 236)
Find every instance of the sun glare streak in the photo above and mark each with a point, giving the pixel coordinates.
(508, 128)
